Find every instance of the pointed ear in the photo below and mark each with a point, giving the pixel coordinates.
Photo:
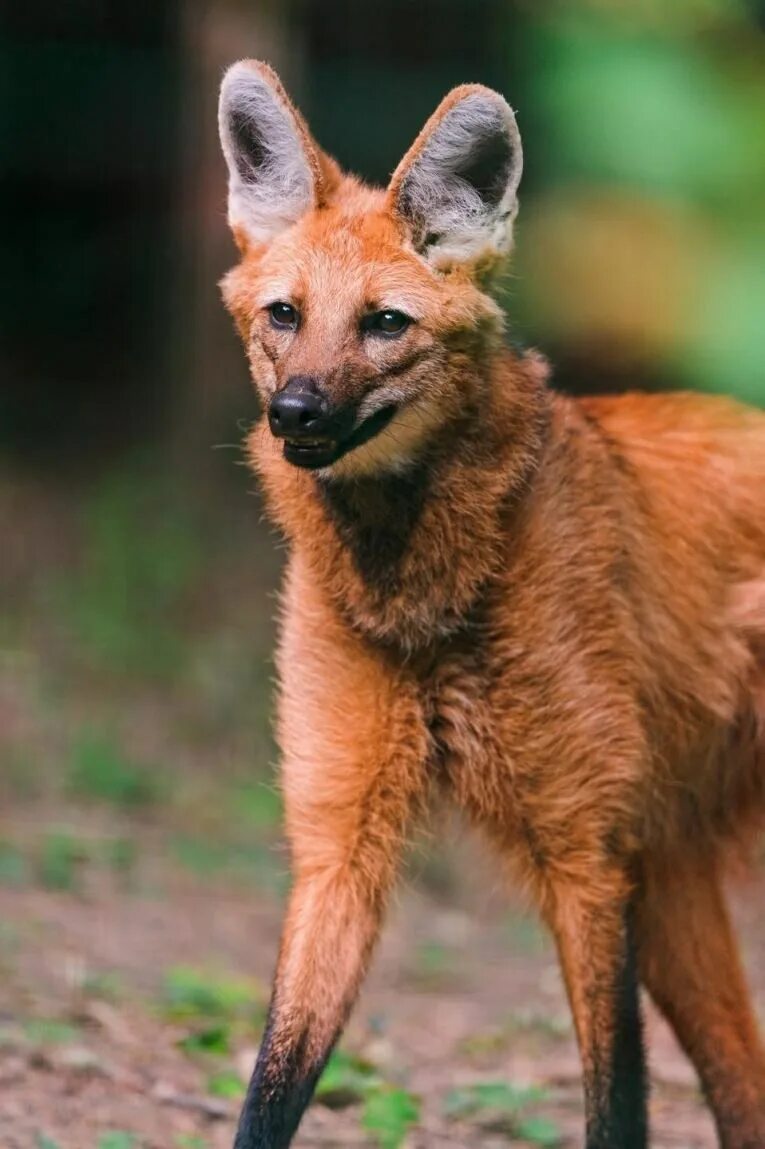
(455, 189)
(276, 172)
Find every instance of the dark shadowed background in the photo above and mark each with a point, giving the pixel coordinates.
(141, 871)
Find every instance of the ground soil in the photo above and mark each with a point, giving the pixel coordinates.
(492, 1010)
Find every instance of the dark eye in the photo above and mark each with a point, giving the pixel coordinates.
(386, 322)
(283, 315)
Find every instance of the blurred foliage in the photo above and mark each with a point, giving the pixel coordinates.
(117, 1139)
(123, 605)
(60, 860)
(13, 866)
(191, 994)
(214, 1039)
(388, 1114)
(388, 1111)
(226, 1083)
(643, 234)
(502, 1104)
(99, 769)
(48, 1031)
(346, 1079)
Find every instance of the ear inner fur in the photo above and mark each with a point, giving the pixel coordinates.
(455, 189)
(276, 170)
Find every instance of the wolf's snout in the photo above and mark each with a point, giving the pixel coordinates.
(314, 430)
(298, 414)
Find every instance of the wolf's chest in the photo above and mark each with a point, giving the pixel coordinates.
(470, 715)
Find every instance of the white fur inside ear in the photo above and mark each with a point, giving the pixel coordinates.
(459, 191)
(270, 183)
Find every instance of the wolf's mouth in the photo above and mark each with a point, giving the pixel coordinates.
(316, 452)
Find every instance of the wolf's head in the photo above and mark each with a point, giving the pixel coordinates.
(365, 313)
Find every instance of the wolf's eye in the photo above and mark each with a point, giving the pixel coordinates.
(386, 322)
(283, 315)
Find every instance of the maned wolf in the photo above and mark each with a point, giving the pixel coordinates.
(551, 611)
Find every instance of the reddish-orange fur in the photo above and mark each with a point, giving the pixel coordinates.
(558, 621)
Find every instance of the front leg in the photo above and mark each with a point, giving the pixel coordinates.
(354, 775)
(331, 926)
(596, 944)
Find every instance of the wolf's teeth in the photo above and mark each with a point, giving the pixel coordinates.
(311, 443)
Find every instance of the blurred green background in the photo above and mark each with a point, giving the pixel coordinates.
(137, 577)
(137, 574)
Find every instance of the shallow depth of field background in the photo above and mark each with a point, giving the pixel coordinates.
(141, 869)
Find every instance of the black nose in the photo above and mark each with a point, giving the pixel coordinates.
(296, 414)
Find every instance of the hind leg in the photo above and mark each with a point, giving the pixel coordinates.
(595, 940)
(690, 964)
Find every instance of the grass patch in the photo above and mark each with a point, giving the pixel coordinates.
(346, 1079)
(49, 1031)
(141, 553)
(116, 1139)
(227, 1084)
(504, 1106)
(200, 855)
(388, 1111)
(388, 1114)
(248, 862)
(60, 858)
(213, 1039)
(190, 994)
(13, 866)
(100, 770)
(259, 804)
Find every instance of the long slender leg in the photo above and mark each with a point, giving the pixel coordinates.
(598, 958)
(354, 777)
(331, 926)
(690, 965)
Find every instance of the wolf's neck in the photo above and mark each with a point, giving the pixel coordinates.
(406, 557)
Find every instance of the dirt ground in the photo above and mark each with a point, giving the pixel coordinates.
(482, 1004)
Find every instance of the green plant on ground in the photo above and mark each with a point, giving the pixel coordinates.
(189, 994)
(226, 1083)
(13, 866)
(505, 1104)
(99, 769)
(259, 804)
(213, 1039)
(117, 1139)
(388, 1111)
(61, 856)
(140, 554)
(346, 1079)
(251, 862)
(388, 1114)
(49, 1031)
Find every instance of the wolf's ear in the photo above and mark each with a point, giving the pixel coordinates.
(455, 189)
(276, 172)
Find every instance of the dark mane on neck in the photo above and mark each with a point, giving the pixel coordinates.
(405, 557)
(375, 519)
